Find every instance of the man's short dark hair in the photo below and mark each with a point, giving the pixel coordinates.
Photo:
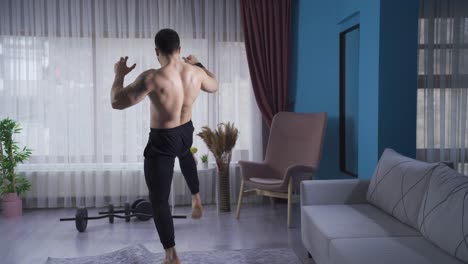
(167, 41)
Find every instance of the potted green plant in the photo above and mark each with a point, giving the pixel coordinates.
(220, 142)
(12, 184)
(204, 160)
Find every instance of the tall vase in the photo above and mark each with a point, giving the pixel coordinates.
(224, 203)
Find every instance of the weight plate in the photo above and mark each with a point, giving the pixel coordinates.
(127, 212)
(81, 219)
(111, 212)
(144, 207)
(134, 204)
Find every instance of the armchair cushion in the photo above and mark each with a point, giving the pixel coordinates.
(260, 175)
(259, 183)
(266, 180)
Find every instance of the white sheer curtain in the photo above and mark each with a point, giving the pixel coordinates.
(442, 123)
(56, 71)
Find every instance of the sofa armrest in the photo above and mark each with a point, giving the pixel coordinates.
(323, 192)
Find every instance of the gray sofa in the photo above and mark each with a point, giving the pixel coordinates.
(409, 212)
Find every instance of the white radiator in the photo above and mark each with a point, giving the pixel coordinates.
(95, 185)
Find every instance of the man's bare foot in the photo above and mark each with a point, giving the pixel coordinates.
(197, 208)
(171, 256)
(172, 261)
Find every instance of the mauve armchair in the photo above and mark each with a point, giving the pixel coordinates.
(293, 155)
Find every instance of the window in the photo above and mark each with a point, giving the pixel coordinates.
(56, 76)
(442, 87)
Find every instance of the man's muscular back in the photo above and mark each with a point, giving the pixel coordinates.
(172, 91)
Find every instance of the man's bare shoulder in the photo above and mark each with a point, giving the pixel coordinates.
(152, 74)
(149, 71)
(146, 79)
(159, 74)
(193, 71)
(145, 74)
(195, 68)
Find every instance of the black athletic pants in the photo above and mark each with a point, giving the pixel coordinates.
(164, 145)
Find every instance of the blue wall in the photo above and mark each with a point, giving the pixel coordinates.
(398, 76)
(315, 74)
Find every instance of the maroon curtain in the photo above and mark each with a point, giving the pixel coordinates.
(267, 30)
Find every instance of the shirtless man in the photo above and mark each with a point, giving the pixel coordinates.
(172, 90)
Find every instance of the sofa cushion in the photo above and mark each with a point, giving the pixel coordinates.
(387, 250)
(443, 218)
(322, 223)
(398, 185)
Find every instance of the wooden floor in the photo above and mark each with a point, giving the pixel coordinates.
(38, 234)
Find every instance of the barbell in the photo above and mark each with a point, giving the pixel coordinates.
(141, 209)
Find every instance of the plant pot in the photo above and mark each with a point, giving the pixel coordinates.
(205, 165)
(12, 205)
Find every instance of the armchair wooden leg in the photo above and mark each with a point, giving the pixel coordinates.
(290, 188)
(239, 201)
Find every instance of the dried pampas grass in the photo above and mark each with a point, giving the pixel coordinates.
(221, 141)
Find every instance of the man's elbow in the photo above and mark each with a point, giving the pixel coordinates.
(215, 87)
(116, 105)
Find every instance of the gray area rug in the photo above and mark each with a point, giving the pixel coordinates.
(138, 254)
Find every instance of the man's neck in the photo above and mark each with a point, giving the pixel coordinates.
(168, 59)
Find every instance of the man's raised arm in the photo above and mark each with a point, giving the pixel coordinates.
(209, 82)
(135, 92)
